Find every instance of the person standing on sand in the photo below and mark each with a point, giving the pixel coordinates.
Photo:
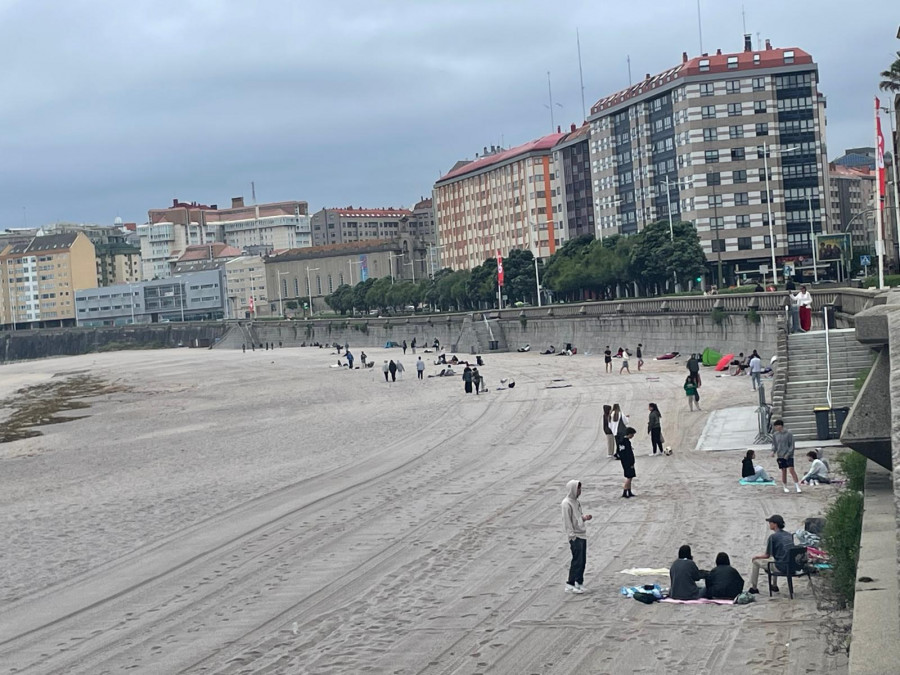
(783, 449)
(654, 428)
(625, 355)
(626, 457)
(362, 359)
(413, 345)
(467, 379)
(610, 436)
(400, 369)
(755, 369)
(420, 367)
(404, 348)
(349, 359)
(778, 548)
(385, 369)
(618, 422)
(607, 359)
(693, 367)
(640, 356)
(573, 525)
(476, 380)
(392, 367)
(690, 390)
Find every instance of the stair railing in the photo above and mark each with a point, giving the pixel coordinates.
(827, 357)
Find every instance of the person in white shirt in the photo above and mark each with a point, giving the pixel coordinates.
(755, 369)
(803, 301)
(818, 471)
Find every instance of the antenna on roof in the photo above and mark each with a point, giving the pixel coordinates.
(253, 191)
(550, 93)
(700, 26)
(580, 75)
(744, 18)
(628, 60)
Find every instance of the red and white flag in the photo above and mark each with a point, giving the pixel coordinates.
(251, 304)
(499, 268)
(879, 154)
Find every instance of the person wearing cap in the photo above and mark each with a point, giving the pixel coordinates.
(778, 547)
(783, 449)
(573, 524)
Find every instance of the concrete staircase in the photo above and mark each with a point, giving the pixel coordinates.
(807, 376)
(487, 331)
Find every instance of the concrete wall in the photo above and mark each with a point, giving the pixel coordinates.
(21, 345)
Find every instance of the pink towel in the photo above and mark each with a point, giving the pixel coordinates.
(701, 601)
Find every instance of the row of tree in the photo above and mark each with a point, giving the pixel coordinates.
(582, 268)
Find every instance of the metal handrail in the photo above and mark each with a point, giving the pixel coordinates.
(827, 357)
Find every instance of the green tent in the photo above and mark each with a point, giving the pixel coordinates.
(710, 357)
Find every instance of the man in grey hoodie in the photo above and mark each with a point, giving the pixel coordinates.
(573, 524)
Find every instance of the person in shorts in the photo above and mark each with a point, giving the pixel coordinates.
(607, 359)
(783, 450)
(640, 356)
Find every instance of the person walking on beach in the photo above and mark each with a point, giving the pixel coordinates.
(625, 355)
(693, 367)
(476, 380)
(690, 390)
(778, 547)
(626, 457)
(607, 359)
(610, 436)
(576, 533)
(654, 428)
(413, 345)
(392, 367)
(783, 449)
(467, 379)
(404, 348)
(385, 369)
(755, 369)
(400, 369)
(640, 356)
(349, 359)
(420, 367)
(618, 422)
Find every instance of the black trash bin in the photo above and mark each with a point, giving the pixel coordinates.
(494, 345)
(830, 320)
(822, 423)
(840, 416)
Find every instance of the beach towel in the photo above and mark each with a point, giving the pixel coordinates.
(701, 601)
(646, 571)
(756, 482)
(654, 589)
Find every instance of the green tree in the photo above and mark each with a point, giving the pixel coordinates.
(361, 294)
(518, 276)
(340, 301)
(656, 258)
(891, 77)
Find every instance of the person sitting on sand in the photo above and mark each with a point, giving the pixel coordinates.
(551, 350)
(751, 471)
(723, 582)
(684, 575)
(526, 348)
(818, 471)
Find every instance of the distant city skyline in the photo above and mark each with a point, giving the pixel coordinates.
(116, 109)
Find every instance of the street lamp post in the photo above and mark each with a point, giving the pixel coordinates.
(812, 240)
(309, 286)
(672, 232)
(890, 113)
(391, 257)
(351, 263)
(280, 294)
(766, 150)
(130, 301)
(431, 249)
(537, 280)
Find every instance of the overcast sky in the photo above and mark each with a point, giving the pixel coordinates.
(110, 108)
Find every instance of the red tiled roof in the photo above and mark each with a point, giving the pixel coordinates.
(543, 143)
(718, 63)
(850, 171)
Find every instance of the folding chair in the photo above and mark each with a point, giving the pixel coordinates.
(798, 565)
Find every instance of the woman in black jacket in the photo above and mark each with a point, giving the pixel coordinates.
(654, 428)
(724, 582)
(626, 457)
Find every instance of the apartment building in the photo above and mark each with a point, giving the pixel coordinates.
(504, 199)
(38, 279)
(852, 203)
(260, 228)
(697, 138)
(348, 225)
(245, 284)
(573, 164)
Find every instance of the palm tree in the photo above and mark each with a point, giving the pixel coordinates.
(891, 81)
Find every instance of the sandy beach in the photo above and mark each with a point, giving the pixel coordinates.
(220, 512)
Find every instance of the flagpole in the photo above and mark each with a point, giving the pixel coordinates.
(879, 216)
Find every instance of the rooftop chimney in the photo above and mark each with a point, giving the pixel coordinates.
(684, 58)
(237, 202)
(748, 42)
(718, 52)
(175, 202)
(573, 126)
(558, 129)
(768, 44)
(484, 150)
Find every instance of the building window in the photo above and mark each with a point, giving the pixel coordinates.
(714, 178)
(708, 112)
(715, 200)
(759, 84)
(296, 288)
(284, 290)
(762, 129)
(330, 284)
(743, 221)
(759, 107)
(734, 109)
(711, 156)
(707, 89)
(732, 62)
(789, 56)
(738, 154)
(764, 197)
(318, 285)
(745, 243)
(704, 65)
(733, 87)
(741, 198)
(710, 134)
(718, 245)
(736, 131)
